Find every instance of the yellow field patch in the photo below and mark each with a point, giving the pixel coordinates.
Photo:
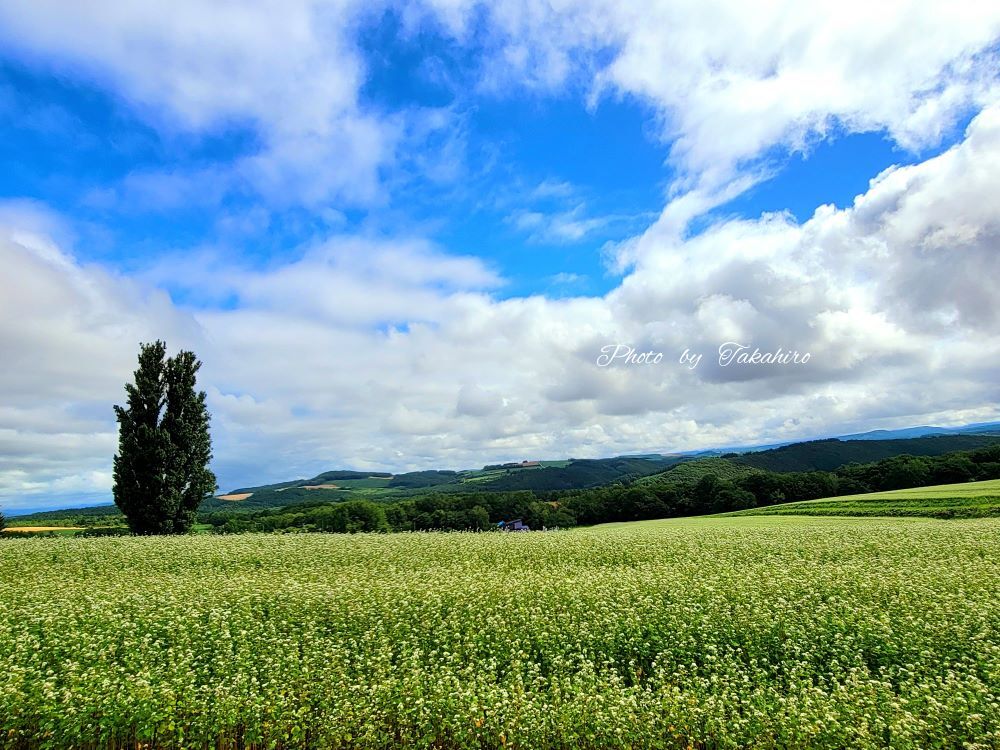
(26, 529)
(235, 498)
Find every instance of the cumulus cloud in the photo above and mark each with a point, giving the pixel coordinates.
(310, 372)
(732, 80)
(288, 71)
(736, 87)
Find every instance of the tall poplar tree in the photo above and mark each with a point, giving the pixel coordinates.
(161, 472)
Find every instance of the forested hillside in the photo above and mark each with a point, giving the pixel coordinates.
(827, 455)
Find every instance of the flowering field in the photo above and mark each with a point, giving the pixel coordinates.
(720, 633)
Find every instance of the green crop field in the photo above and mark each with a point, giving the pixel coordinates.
(704, 633)
(480, 476)
(968, 500)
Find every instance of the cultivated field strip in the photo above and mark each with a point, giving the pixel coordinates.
(966, 500)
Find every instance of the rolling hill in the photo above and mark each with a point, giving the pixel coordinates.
(542, 476)
(690, 472)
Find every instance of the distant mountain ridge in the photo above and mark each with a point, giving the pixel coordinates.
(980, 428)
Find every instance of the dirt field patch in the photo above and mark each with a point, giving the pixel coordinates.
(320, 487)
(235, 498)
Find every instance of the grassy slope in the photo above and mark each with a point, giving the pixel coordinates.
(690, 472)
(968, 500)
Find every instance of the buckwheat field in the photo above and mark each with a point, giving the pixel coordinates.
(718, 633)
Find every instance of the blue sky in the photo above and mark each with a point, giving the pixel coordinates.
(71, 145)
(398, 233)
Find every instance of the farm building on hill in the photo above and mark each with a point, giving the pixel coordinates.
(514, 465)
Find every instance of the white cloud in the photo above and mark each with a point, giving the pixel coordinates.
(551, 188)
(392, 355)
(733, 82)
(289, 71)
(568, 226)
(730, 81)
(565, 278)
(733, 79)
(555, 212)
(474, 401)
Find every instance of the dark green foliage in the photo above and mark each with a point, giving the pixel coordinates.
(952, 470)
(689, 472)
(978, 499)
(415, 479)
(828, 455)
(333, 476)
(767, 488)
(708, 486)
(904, 471)
(825, 455)
(3, 521)
(161, 472)
(901, 472)
(578, 473)
(264, 499)
(452, 511)
(272, 487)
(718, 495)
(345, 518)
(100, 531)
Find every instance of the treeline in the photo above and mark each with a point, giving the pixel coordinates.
(478, 511)
(619, 502)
